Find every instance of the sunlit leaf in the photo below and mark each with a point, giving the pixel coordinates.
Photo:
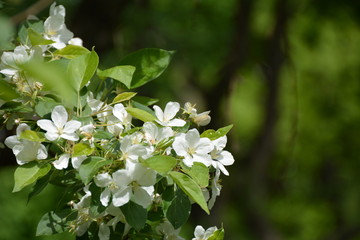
(7, 91)
(28, 173)
(32, 136)
(82, 149)
(125, 96)
(90, 167)
(71, 51)
(123, 74)
(140, 114)
(161, 164)
(212, 134)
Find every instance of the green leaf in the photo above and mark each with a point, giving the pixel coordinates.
(53, 76)
(179, 209)
(81, 149)
(37, 39)
(134, 214)
(28, 173)
(71, 51)
(39, 186)
(212, 134)
(146, 101)
(15, 107)
(103, 135)
(123, 74)
(140, 114)
(82, 68)
(161, 164)
(125, 96)
(45, 106)
(191, 188)
(217, 235)
(199, 172)
(53, 222)
(7, 30)
(7, 92)
(31, 136)
(150, 63)
(90, 167)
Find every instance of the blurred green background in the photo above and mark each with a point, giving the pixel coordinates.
(286, 73)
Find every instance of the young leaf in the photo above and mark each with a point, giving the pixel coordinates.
(7, 92)
(28, 173)
(150, 63)
(45, 106)
(82, 68)
(125, 96)
(81, 149)
(179, 209)
(212, 134)
(217, 235)
(90, 167)
(53, 222)
(37, 39)
(123, 74)
(71, 52)
(146, 101)
(134, 214)
(32, 136)
(140, 114)
(161, 164)
(199, 172)
(191, 188)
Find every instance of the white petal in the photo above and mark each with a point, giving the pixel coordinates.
(72, 126)
(222, 169)
(42, 153)
(141, 197)
(203, 158)
(105, 197)
(176, 123)
(59, 116)
(121, 197)
(52, 136)
(192, 137)
(188, 161)
(171, 110)
(47, 125)
(103, 180)
(122, 177)
(62, 162)
(120, 112)
(159, 113)
(204, 146)
(104, 232)
(226, 158)
(180, 145)
(220, 143)
(199, 231)
(77, 161)
(21, 128)
(144, 176)
(70, 136)
(11, 141)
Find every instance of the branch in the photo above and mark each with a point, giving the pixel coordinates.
(32, 10)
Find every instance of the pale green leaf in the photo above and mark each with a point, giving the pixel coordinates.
(150, 63)
(217, 235)
(125, 96)
(161, 164)
(199, 172)
(53, 222)
(71, 51)
(37, 39)
(32, 136)
(28, 173)
(140, 114)
(123, 74)
(7, 91)
(212, 134)
(82, 149)
(191, 188)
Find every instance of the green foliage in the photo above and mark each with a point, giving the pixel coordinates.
(191, 188)
(90, 167)
(7, 92)
(217, 235)
(179, 209)
(28, 173)
(123, 74)
(71, 51)
(212, 134)
(135, 215)
(53, 222)
(140, 114)
(161, 164)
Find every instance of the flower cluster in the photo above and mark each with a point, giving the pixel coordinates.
(127, 166)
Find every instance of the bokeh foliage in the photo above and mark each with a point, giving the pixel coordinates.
(285, 73)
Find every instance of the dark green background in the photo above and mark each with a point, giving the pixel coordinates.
(286, 73)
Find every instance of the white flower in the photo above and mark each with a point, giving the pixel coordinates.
(154, 135)
(215, 189)
(193, 148)
(133, 183)
(168, 231)
(201, 234)
(120, 113)
(59, 127)
(63, 161)
(201, 119)
(166, 118)
(76, 41)
(55, 28)
(12, 60)
(131, 151)
(220, 157)
(24, 150)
